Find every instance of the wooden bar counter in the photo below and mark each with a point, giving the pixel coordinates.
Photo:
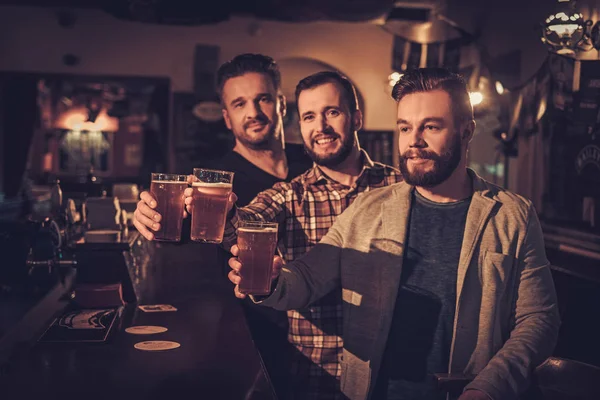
(216, 360)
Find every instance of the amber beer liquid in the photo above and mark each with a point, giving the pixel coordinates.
(257, 242)
(168, 190)
(209, 204)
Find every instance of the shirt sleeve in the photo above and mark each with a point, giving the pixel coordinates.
(318, 272)
(267, 206)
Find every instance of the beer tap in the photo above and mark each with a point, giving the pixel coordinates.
(46, 250)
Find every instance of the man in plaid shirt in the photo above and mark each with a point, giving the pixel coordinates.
(305, 209)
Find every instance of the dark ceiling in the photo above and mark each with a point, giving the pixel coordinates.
(190, 12)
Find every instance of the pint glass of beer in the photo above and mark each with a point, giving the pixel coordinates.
(257, 242)
(168, 189)
(209, 204)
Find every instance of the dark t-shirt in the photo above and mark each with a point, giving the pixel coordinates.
(421, 333)
(249, 180)
(268, 326)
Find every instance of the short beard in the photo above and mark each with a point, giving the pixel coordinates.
(443, 165)
(263, 143)
(334, 159)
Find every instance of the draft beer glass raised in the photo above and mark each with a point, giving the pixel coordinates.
(168, 190)
(257, 242)
(209, 204)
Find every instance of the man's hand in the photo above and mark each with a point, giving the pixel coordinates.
(145, 219)
(236, 265)
(188, 199)
(474, 394)
(187, 196)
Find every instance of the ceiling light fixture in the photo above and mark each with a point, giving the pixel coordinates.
(566, 32)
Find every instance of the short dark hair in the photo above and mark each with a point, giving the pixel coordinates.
(245, 63)
(430, 79)
(323, 77)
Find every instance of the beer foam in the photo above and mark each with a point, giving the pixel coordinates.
(176, 182)
(257, 230)
(212, 185)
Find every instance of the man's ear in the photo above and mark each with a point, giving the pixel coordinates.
(468, 130)
(226, 118)
(357, 120)
(282, 105)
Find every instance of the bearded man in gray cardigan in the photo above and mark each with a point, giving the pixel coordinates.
(442, 273)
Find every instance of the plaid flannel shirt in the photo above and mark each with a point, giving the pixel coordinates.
(305, 209)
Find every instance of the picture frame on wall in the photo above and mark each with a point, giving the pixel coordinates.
(185, 124)
(199, 132)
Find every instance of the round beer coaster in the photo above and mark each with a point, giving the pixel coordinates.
(145, 330)
(156, 345)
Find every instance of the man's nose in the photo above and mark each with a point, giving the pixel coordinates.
(254, 110)
(322, 124)
(416, 138)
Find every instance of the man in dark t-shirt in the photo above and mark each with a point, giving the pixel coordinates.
(253, 108)
(268, 327)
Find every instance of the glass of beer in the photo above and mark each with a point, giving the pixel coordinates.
(209, 204)
(257, 242)
(168, 190)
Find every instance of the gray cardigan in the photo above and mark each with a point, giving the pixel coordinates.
(506, 320)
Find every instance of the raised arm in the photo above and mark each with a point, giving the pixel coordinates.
(268, 206)
(307, 279)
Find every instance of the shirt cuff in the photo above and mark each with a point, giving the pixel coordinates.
(261, 298)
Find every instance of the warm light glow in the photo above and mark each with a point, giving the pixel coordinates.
(476, 98)
(74, 119)
(564, 29)
(565, 51)
(499, 87)
(541, 109)
(394, 77)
